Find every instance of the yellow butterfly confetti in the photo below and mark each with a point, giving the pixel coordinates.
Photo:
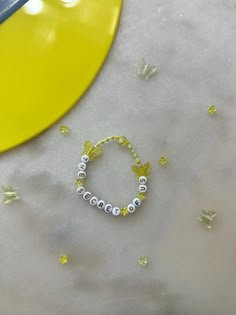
(91, 150)
(207, 217)
(212, 110)
(141, 170)
(145, 70)
(10, 194)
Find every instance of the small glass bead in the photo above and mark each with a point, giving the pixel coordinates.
(79, 182)
(63, 259)
(143, 261)
(123, 141)
(124, 212)
(212, 110)
(163, 160)
(141, 196)
(64, 130)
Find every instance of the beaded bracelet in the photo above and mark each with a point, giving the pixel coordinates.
(141, 172)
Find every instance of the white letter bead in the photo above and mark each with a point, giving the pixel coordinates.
(84, 158)
(116, 211)
(101, 204)
(81, 175)
(93, 201)
(82, 166)
(131, 208)
(80, 190)
(108, 208)
(142, 188)
(136, 202)
(87, 195)
(142, 180)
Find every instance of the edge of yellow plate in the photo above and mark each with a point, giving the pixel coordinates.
(52, 123)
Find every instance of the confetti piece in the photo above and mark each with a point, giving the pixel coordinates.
(163, 160)
(212, 110)
(207, 217)
(63, 260)
(10, 194)
(145, 70)
(64, 130)
(143, 261)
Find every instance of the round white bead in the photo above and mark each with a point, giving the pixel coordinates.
(80, 190)
(142, 180)
(136, 202)
(93, 201)
(142, 188)
(101, 204)
(87, 195)
(84, 158)
(82, 166)
(81, 175)
(108, 208)
(116, 211)
(131, 208)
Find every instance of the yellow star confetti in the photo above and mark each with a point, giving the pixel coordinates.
(143, 261)
(124, 212)
(212, 110)
(10, 194)
(145, 70)
(63, 259)
(207, 217)
(141, 196)
(64, 130)
(163, 160)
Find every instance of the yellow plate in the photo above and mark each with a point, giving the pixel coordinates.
(51, 50)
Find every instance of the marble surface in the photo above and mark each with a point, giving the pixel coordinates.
(191, 270)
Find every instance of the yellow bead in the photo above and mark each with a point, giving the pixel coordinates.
(124, 212)
(64, 130)
(64, 260)
(141, 196)
(212, 110)
(163, 160)
(79, 182)
(143, 260)
(123, 141)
